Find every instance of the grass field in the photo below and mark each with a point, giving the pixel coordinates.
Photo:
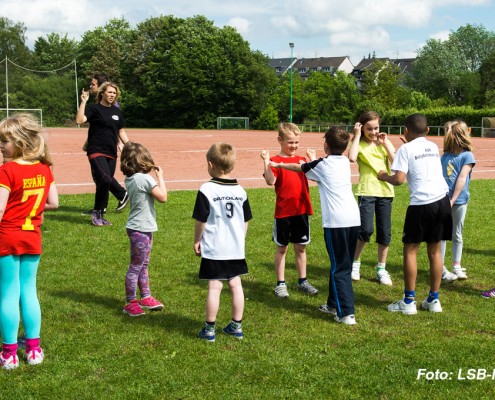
(290, 350)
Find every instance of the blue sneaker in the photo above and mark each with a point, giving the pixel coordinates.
(207, 333)
(234, 329)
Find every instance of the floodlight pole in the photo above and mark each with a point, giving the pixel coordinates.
(7, 84)
(291, 45)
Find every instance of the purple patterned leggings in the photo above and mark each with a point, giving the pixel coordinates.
(137, 275)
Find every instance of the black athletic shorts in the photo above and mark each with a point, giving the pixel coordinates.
(291, 230)
(222, 270)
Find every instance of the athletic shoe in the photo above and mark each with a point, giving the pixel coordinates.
(35, 356)
(105, 222)
(11, 362)
(403, 307)
(133, 309)
(150, 303)
(346, 320)
(433, 306)
(96, 218)
(460, 272)
(281, 291)
(324, 308)
(308, 288)
(383, 277)
(207, 333)
(448, 276)
(355, 275)
(488, 294)
(123, 202)
(234, 329)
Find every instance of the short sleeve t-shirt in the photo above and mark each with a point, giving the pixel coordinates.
(28, 186)
(420, 161)
(452, 165)
(371, 160)
(291, 188)
(104, 126)
(142, 214)
(338, 204)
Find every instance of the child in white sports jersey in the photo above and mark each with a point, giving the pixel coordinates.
(222, 213)
(136, 163)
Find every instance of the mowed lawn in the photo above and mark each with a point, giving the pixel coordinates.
(290, 350)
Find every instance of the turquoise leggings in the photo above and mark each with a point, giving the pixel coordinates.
(18, 288)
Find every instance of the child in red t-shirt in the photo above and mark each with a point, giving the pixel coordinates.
(26, 190)
(292, 208)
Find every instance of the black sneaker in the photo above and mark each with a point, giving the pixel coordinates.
(123, 202)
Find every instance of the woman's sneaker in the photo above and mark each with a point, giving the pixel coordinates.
(460, 272)
(150, 303)
(35, 356)
(96, 218)
(346, 320)
(133, 309)
(10, 362)
(123, 202)
(489, 294)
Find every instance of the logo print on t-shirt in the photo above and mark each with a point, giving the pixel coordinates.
(115, 117)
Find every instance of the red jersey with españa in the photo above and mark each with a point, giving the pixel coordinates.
(28, 185)
(291, 188)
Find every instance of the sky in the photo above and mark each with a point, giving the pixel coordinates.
(318, 28)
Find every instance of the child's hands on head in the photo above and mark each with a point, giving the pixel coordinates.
(381, 137)
(158, 171)
(357, 129)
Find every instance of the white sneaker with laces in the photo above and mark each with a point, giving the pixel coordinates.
(433, 306)
(448, 276)
(281, 291)
(355, 274)
(460, 272)
(11, 362)
(308, 288)
(346, 320)
(383, 277)
(402, 307)
(35, 356)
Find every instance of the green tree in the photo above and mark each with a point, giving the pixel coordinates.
(54, 52)
(13, 41)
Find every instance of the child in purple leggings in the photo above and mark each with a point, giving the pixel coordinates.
(135, 163)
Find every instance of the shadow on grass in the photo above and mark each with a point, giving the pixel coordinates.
(163, 319)
(485, 252)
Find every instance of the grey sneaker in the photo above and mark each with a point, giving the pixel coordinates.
(324, 308)
(403, 307)
(308, 288)
(281, 291)
(433, 306)
(448, 276)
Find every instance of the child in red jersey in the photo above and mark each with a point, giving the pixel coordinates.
(26, 190)
(292, 208)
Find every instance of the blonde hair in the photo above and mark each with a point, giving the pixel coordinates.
(457, 137)
(24, 132)
(135, 158)
(103, 88)
(286, 128)
(222, 156)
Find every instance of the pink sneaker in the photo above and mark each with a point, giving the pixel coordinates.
(133, 309)
(35, 356)
(150, 303)
(11, 362)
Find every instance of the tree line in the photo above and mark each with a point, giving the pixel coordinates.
(185, 72)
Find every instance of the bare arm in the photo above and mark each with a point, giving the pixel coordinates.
(389, 147)
(199, 229)
(80, 117)
(4, 197)
(396, 179)
(159, 192)
(52, 199)
(123, 136)
(354, 149)
(270, 179)
(460, 182)
(289, 166)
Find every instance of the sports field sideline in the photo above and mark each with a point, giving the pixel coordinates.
(181, 153)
